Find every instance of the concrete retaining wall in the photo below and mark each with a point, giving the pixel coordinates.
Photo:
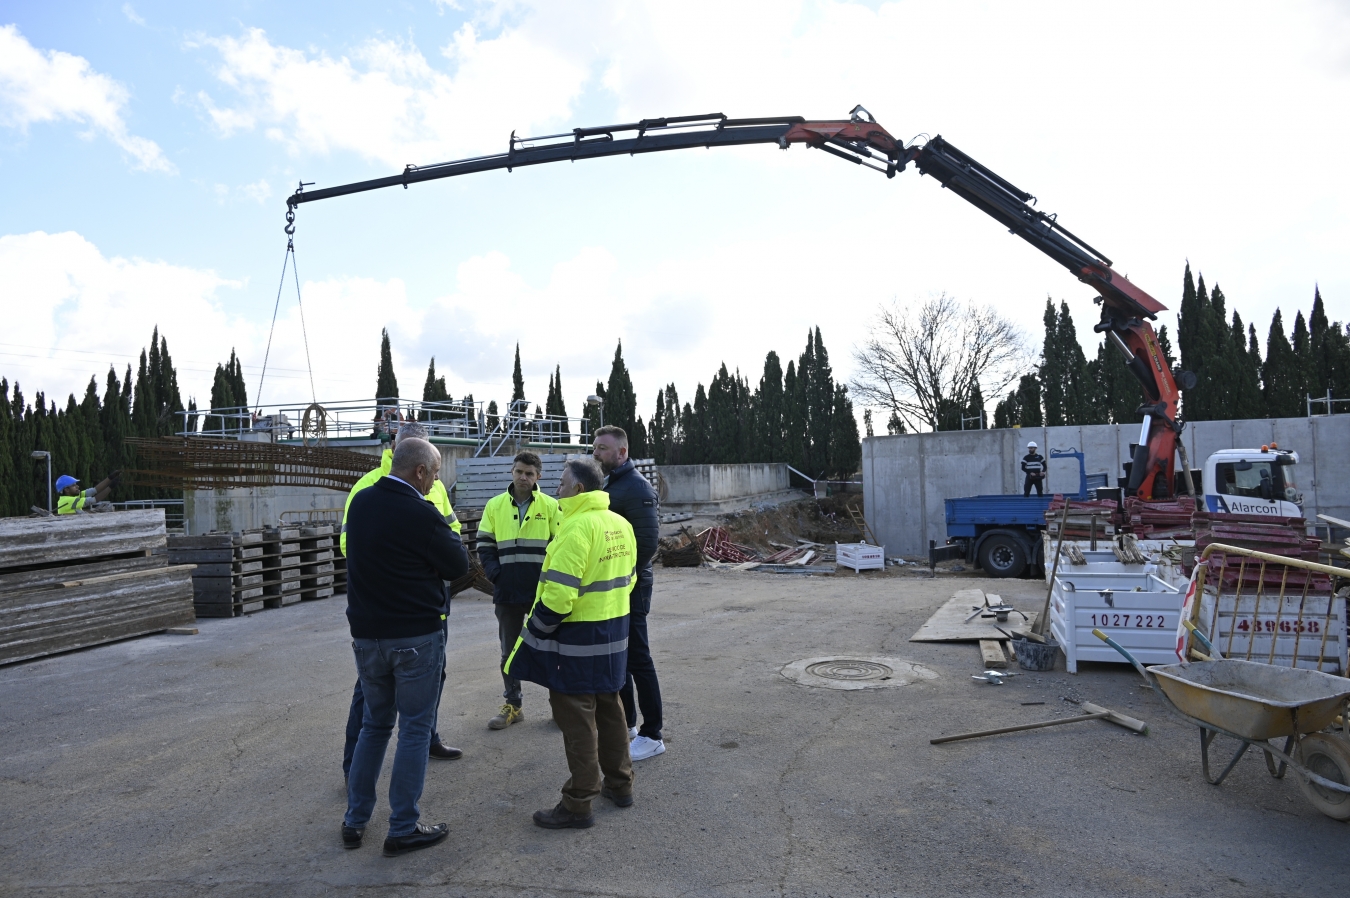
(247, 508)
(906, 478)
(717, 488)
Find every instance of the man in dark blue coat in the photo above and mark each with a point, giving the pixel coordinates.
(632, 498)
(401, 550)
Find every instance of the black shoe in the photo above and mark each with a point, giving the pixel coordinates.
(422, 837)
(620, 801)
(442, 752)
(561, 818)
(351, 836)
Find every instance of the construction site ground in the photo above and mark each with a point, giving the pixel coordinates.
(210, 765)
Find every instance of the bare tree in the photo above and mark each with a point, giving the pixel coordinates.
(920, 365)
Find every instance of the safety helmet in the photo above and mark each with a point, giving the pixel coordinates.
(1031, 445)
(64, 481)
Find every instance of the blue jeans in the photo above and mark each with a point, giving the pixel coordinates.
(357, 712)
(400, 679)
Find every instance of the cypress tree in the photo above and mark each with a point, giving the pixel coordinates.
(1165, 346)
(386, 384)
(1246, 390)
(722, 425)
(559, 405)
(434, 390)
(492, 417)
(169, 401)
(867, 423)
(637, 440)
(1005, 413)
(1029, 401)
(656, 433)
(769, 410)
(794, 423)
(671, 430)
(895, 425)
(9, 482)
(620, 400)
(821, 405)
(1052, 367)
(1306, 363)
(974, 409)
(1318, 329)
(845, 448)
(1281, 374)
(517, 378)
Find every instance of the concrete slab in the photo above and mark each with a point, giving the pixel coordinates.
(211, 766)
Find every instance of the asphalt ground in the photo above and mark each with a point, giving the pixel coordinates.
(210, 765)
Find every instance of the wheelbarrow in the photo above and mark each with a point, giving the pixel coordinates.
(1255, 703)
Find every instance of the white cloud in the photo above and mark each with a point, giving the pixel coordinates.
(80, 311)
(49, 86)
(386, 102)
(132, 15)
(258, 191)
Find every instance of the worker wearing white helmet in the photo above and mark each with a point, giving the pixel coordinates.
(1033, 466)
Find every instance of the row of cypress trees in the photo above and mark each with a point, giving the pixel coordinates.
(1233, 379)
(799, 416)
(85, 438)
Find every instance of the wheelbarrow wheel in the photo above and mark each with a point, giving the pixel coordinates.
(1328, 757)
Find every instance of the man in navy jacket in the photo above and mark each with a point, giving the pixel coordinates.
(401, 552)
(632, 498)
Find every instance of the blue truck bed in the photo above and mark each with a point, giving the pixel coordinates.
(969, 516)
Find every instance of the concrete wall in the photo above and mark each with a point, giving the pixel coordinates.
(906, 478)
(712, 488)
(247, 508)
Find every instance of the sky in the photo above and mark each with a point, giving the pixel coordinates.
(147, 148)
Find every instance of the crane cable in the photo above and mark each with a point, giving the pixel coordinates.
(289, 259)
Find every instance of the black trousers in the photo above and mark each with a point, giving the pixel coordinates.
(510, 621)
(641, 669)
(1031, 483)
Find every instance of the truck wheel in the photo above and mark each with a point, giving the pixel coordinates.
(1003, 556)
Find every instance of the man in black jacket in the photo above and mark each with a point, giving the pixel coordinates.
(401, 552)
(1033, 466)
(632, 498)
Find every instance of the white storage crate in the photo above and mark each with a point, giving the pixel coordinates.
(860, 556)
(1137, 610)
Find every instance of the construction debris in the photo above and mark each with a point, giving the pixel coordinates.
(72, 581)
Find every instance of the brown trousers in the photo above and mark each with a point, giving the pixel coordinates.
(595, 735)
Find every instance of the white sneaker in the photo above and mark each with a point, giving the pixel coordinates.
(632, 733)
(643, 748)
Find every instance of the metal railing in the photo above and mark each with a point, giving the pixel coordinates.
(1327, 403)
(321, 423)
(174, 517)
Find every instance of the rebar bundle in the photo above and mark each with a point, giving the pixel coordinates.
(197, 463)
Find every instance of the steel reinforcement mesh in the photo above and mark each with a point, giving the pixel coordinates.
(196, 463)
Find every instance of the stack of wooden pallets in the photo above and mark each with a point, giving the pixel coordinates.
(79, 580)
(228, 580)
(281, 566)
(316, 562)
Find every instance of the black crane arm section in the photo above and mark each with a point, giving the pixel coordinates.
(859, 140)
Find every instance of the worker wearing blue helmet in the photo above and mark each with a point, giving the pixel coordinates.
(73, 500)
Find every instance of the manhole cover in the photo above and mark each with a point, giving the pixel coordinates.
(856, 673)
(850, 669)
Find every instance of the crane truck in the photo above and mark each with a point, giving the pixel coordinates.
(1126, 309)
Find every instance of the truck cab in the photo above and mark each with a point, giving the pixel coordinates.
(1253, 481)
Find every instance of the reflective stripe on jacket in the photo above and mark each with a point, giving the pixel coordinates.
(71, 504)
(575, 640)
(511, 550)
(437, 497)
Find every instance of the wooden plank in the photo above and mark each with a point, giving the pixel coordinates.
(48, 576)
(948, 623)
(210, 570)
(991, 652)
(108, 578)
(26, 542)
(206, 541)
(61, 619)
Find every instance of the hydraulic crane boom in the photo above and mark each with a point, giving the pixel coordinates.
(859, 139)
